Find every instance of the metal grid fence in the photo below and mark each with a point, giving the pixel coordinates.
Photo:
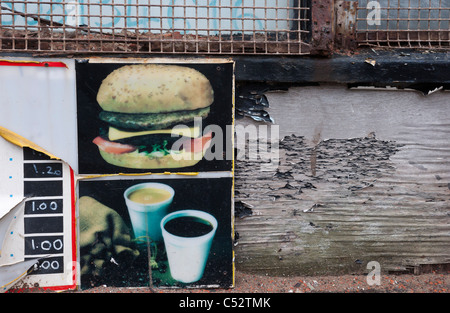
(404, 23)
(270, 27)
(155, 26)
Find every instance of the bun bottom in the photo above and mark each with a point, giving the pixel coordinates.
(138, 160)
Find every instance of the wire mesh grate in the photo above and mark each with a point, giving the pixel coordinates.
(156, 26)
(404, 23)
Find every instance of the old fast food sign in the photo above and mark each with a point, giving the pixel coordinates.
(139, 151)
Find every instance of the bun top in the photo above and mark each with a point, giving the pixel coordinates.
(154, 88)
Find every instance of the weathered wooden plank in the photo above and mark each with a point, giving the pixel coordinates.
(391, 67)
(363, 176)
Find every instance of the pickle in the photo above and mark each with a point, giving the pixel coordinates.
(141, 121)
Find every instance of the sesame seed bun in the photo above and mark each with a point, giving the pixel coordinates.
(154, 88)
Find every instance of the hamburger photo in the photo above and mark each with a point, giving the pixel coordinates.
(141, 104)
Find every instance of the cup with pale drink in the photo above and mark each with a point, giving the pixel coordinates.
(147, 204)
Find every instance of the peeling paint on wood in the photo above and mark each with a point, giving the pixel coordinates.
(373, 186)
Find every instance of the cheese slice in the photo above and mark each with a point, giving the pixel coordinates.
(192, 132)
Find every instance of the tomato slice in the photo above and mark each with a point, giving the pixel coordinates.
(198, 144)
(113, 147)
(194, 145)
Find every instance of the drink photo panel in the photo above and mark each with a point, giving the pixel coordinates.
(154, 117)
(162, 232)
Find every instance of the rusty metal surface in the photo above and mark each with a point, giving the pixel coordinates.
(322, 27)
(221, 27)
(345, 16)
(155, 26)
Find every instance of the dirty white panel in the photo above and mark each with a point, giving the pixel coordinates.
(11, 186)
(39, 104)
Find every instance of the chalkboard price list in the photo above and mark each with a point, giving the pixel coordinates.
(31, 154)
(49, 265)
(42, 170)
(43, 188)
(43, 221)
(42, 225)
(44, 245)
(44, 206)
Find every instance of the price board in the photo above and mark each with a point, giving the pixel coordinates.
(44, 225)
